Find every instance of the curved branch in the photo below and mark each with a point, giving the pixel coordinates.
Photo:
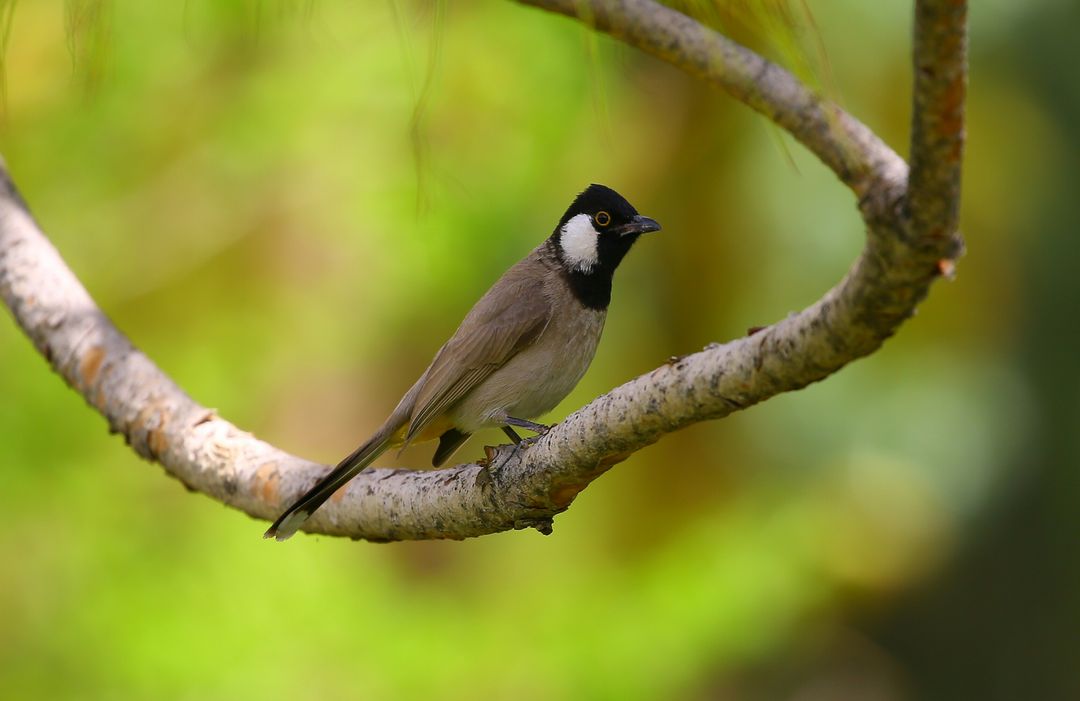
(858, 157)
(527, 487)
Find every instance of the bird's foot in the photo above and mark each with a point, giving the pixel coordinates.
(539, 429)
(527, 442)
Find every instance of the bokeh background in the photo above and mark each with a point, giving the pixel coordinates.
(289, 205)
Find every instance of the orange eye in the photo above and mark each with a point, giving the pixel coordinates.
(602, 218)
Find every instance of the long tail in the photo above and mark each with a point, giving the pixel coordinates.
(305, 506)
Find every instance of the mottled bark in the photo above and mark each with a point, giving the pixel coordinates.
(911, 241)
(937, 128)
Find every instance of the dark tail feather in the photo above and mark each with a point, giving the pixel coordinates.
(448, 443)
(305, 506)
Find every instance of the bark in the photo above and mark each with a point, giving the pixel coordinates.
(911, 241)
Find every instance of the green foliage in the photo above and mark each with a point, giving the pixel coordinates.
(7, 12)
(88, 23)
(784, 30)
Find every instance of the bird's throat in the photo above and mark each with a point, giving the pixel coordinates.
(592, 289)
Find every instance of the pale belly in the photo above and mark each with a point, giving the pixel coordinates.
(537, 378)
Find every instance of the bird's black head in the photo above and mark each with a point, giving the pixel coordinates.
(591, 239)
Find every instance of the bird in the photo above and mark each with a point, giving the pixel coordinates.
(518, 352)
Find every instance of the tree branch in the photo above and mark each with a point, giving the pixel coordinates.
(937, 130)
(527, 487)
(858, 157)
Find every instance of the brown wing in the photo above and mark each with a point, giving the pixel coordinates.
(511, 316)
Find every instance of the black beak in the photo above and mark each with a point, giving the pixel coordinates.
(638, 225)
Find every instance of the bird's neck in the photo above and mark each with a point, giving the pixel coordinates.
(591, 288)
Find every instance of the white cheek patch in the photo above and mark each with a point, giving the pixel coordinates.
(578, 240)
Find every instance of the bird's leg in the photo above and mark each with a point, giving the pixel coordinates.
(538, 429)
(512, 434)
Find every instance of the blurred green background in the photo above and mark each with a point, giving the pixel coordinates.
(289, 205)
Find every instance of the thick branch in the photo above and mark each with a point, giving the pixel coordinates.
(527, 487)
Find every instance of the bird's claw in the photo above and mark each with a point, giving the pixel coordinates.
(531, 440)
